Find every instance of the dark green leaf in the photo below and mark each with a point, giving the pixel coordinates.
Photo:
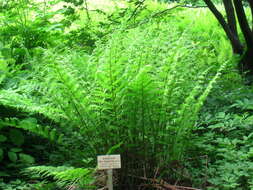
(17, 137)
(3, 138)
(16, 150)
(1, 154)
(4, 174)
(12, 156)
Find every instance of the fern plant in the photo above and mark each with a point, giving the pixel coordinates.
(133, 92)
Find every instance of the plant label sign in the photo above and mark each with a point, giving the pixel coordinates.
(107, 162)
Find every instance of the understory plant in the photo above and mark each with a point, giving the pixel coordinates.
(223, 136)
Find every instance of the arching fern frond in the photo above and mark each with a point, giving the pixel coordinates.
(31, 125)
(64, 175)
(11, 98)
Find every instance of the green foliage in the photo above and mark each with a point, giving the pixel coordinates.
(133, 90)
(30, 125)
(16, 137)
(65, 175)
(15, 184)
(223, 135)
(28, 24)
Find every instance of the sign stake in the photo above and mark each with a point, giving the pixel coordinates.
(108, 163)
(109, 179)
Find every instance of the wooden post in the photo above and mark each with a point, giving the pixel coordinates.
(109, 179)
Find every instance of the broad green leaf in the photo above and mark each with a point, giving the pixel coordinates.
(16, 149)
(28, 123)
(1, 154)
(3, 69)
(113, 148)
(3, 138)
(52, 135)
(26, 158)
(17, 137)
(12, 156)
(4, 174)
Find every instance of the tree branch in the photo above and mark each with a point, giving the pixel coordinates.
(136, 9)
(164, 184)
(184, 6)
(87, 10)
(231, 19)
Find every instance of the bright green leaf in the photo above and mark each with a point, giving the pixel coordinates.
(25, 158)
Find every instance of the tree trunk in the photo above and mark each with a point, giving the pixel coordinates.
(230, 15)
(232, 6)
(231, 19)
(246, 63)
(234, 40)
(244, 24)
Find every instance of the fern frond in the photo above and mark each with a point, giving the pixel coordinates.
(64, 175)
(11, 98)
(31, 125)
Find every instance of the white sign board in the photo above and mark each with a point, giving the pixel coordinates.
(106, 162)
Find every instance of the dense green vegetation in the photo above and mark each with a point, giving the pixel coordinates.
(155, 82)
